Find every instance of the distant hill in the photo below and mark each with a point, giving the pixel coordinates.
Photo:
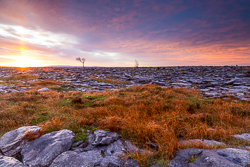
(68, 66)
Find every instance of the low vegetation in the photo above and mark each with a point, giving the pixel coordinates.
(108, 80)
(140, 114)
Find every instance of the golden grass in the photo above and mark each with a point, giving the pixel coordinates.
(20, 76)
(140, 114)
(46, 83)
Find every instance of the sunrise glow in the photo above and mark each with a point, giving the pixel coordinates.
(155, 33)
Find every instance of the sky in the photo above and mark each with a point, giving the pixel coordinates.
(115, 33)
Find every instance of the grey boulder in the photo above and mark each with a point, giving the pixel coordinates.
(104, 155)
(105, 148)
(211, 143)
(244, 136)
(193, 157)
(42, 151)
(9, 162)
(126, 162)
(43, 90)
(68, 158)
(11, 143)
(104, 137)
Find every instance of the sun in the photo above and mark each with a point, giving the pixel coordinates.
(24, 62)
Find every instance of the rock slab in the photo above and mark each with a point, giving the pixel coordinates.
(11, 143)
(244, 136)
(42, 151)
(68, 158)
(193, 157)
(9, 162)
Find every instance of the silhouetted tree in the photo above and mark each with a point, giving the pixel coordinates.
(136, 63)
(81, 60)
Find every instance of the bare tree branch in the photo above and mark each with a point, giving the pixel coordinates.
(81, 60)
(136, 63)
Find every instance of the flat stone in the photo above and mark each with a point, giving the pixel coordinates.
(228, 157)
(2, 86)
(42, 151)
(230, 82)
(69, 158)
(43, 90)
(9, 162)
(244, 136)
(103, 137)
(126, 162)
(106, 155)
(12, 142)
(212, 143)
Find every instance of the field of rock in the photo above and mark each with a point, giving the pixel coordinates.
(222, 81)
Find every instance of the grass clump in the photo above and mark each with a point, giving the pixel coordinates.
(20, 77)
(192, 158)
(60, 88)
(81, 137)
(162, 163)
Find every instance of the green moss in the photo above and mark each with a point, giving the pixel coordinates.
(192, 158)
(81, 136)
(162, 163)
(39, 119)
(91, 129)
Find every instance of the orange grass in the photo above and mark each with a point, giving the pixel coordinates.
(140, 114)
(20, 76)
(46, 83)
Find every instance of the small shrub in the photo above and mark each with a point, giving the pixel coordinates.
(192, 158)
(162, 163)
(39, 119)
(81, 137)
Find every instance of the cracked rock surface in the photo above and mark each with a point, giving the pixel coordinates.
(12, 142)
(9, 162)
(42, 151)
(103, 148)
(228, 157)
(212, 81)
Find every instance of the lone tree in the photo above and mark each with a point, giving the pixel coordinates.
(81, 60)
(136, 63)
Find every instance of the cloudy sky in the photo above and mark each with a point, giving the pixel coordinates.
(116, 32)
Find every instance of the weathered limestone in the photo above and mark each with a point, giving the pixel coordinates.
(9, 162)
(69, 158)
(194, 157)
(104, 137)
(244, 136)
(11, 143)
(43, 90)
(209, 143)
(213, 82)
(42, 151)
(103, 148)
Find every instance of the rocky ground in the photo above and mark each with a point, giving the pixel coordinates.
(18, 148)
(26, 146)
(59, 149)
(221, 81)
